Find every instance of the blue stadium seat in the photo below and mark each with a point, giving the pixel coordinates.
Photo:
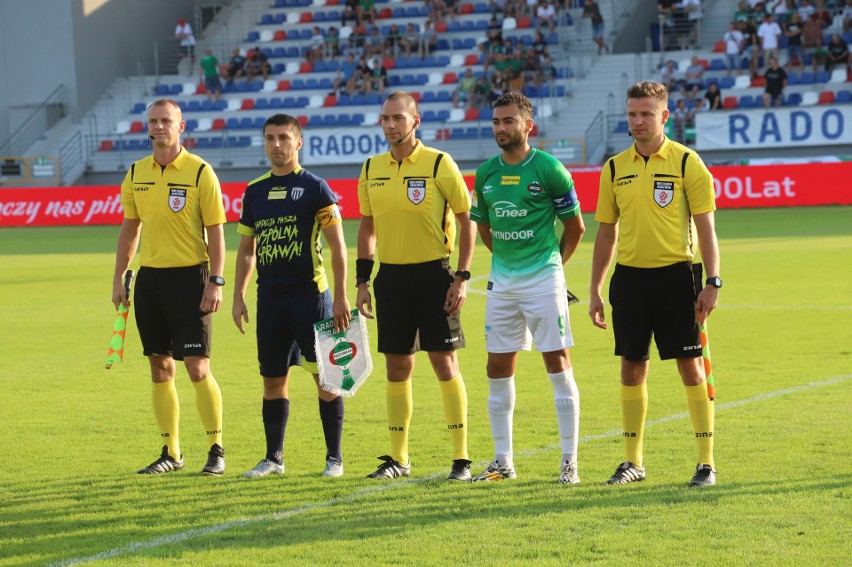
(726, 83)
(329, 120)
(443, 45)
(261, 103)
(445, 96)
(359, 99)
(252, 37)
(357, 119)
(289, 102)
(394, 81)
(220, 105)
(232, 123)
(138, 108)
(747, 101)
(457, 133)
(279, 52)
(276, 102)
(793, 99)
(191, 124)
(258, 122)
(193, 106)
(319, 16)
(843, 97)
(344, 119)
(480, 25)
(822, 77)
(246, 123)
(319, 66)
(202, 143)
(161, 90)
(443, 115)
(469, 43)
(315, 120)
(302, 102)
(278, 69)
(312, 83)
(429, 116)
(481, 8)
(280, 18)
(344, 100)
(428, 96)
(297, 84)
(266, 20)
(621, 127)
(325, 83)
(485, 113)
(374, 99)
(795, 78)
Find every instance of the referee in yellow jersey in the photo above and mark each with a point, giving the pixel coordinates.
(408, 198)
(175, 197)
(656, 202)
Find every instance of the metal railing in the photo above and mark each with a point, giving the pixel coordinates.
(44, 115)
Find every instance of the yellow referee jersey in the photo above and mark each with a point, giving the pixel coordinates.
(174, 203)
(412, 204)
(653, 204)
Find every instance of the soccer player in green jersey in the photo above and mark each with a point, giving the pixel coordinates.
(518, 196)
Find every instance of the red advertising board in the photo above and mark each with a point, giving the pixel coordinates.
(736, 187)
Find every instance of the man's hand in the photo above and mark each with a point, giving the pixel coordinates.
(342, 316)
(596, 311)
(364, 301)
(707, 301)
(455, 296)
(211, 299)
(239, 312)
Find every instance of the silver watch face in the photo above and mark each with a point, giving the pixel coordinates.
(715, 281)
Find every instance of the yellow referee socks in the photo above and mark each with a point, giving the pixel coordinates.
(701, 411)
(400, 407)
(634, 406)
(208, 400)
(454, 395)
(167, 413)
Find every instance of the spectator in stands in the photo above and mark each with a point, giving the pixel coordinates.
(494, 28)
(428, 39)
(669, 74)
(465, 90)
(367, 12)
(684, 117)
(338, 83)
(793, 32)
(210, 75)
(350, 13)
(783, 10)
(769, 33)
(846, 14)
(692, 8)
(712, 98)
(393, 41)
(316, 45)
(360, 79)
(236, 66)
(812, 41)
(546, 14)
(592, 11)
(806, 10)
(410, 40)
(837, 54)
(752, 45)
(776, 82)
(539, 45)
(693, 76)
(497, 85)
(258, 64)
(332, 42)
(378, 78)
(374, 43)
(548, 72)
(183, 32)
(734, 44)
(744, 12)
(823, 13)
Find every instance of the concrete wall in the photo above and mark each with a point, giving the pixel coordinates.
(82, 44)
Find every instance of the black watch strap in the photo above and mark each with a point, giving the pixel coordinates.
(218, 280)
(463, 274)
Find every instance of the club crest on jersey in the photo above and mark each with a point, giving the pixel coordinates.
(177, 199)
(416, 190)
(663, 192)
(297, 192)
(535, 188)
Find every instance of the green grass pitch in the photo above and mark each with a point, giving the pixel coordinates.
(73, 433)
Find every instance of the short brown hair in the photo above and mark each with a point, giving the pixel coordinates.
(519, 100)
(404, 97)
(165, 102)
(283, 120)
(648, 89)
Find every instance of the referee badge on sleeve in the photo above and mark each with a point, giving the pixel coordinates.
(416, 190)
(177, 199)
(663, 192)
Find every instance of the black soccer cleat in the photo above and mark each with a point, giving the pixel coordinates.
(626, 473)
(460, 470)
(162, 465)
(704, 476)
(215, 461)
(390, 469)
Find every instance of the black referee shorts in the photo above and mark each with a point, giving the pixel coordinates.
(166, 305)
(658, 302)
(410, 312)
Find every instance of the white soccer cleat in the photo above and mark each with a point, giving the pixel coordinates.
(265, 468)
(333, 467)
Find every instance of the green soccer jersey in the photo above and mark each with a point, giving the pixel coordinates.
(521, 203)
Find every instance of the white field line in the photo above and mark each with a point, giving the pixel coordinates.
(385, 486)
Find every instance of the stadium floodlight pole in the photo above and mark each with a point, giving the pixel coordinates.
(705, 354)
(116, 343)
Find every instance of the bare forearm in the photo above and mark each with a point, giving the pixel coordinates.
(467, 240)
(216, 249)
(602, 256)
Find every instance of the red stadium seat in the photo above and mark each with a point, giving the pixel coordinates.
(303, 120)
(330, 100)
(306, 18)
(106, 146)
(306, 67)
(467, 8)
(388, 63)
(534, 131)
(758, 82)
(416, 96)
(471, 59)
(704, 63)
(730, 102)
(450, 79)
(385, 13)
(719, 47)
(189, 143)
(524, 23)
(284, 85)
(136, 126)
(471, 114)
(201, 88)
(826, 97)
(280, 35)
(218, 124)
(441, 26)
(248, 104)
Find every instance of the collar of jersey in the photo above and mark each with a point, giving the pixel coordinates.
(412, 157)
(530, 155)
(663, 150)
(177, 163)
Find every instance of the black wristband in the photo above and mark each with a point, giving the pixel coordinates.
(363, 270)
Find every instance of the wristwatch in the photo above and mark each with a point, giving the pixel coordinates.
(463, 274)
(715, 281)
(218, 280)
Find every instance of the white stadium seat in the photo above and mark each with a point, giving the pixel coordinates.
(809, 98)
(189, 89)
(838, 76)
(293, 16)
(270, 85)
(509, 23)
(234, 104)
(456, 61)
(345, 32)
(257, 140)
(204, 125)
(123, 127)
(266, 35)
(291, 68)
(435, 78)
(456, 115)
(371, 118)
(742, 82)
(428, 134)
(316, 101)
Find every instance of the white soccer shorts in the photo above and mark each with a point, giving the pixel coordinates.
(514, 324)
